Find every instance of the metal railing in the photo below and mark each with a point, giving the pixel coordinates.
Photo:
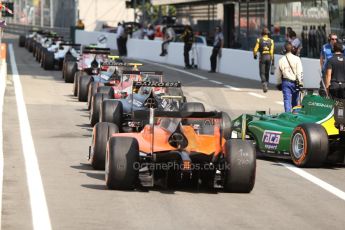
(15, 28)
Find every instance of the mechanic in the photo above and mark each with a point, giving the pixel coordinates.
(188, 38)
(326, 55)
(217, 48)
(168, 36)
(265, 46)
(335, 73)
(289, 78)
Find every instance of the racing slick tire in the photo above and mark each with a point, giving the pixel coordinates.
(30, 45)
(33, 49)
(121, 163)
(309, 145)
(22, 39)
(92, 91)
(70, 68)
(96, 107)
(111, 111)
(38, 53)
(240, 167)
(76, 81)
(101, 134)
(83, 86)
(43, 54)
(49, 61)
(226, 126)
(193, 107)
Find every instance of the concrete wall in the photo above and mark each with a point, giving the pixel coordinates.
(233, 62)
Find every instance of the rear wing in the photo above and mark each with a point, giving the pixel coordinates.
(70, 44)
(144, 114)
(138, 84)
(95, 50)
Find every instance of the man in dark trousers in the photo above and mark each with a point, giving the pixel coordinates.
(265, 46)
(188, 38)
(335, 73)
(217, 48)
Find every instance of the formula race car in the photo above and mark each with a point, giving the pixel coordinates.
(163, 96)
(189, 147)
(116, 87)
(309, 136)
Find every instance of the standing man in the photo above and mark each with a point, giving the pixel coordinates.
(335, 73)
(188, 38)
(325, 56)
(217, 48)
(290, 78)
(119, 38)
(265, 46)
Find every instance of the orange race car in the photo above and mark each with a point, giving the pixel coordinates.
(174, 147)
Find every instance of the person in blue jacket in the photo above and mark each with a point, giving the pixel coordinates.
(325, 55)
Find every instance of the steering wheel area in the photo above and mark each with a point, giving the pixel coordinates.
(178, 140)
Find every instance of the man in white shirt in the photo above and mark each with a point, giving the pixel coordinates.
(121, 40)
(169, 36)
(290, 78)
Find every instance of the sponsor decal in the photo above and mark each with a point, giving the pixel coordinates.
(156, 84)
(318, 104)
(271, 139)
(113, 63)
(102, 39)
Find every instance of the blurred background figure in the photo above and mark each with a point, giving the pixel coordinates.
(188, 38)
(218, 44)
(168, 36)
(150, 32)
(80, 25)
(139, 33)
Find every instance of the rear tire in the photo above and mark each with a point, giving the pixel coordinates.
(240, 168)
(100, 137)
(83, 86)
(70, 69)
(122, 157)
(22, 39)
(96, 107)
(76, 81)
(92, 91)
(309, 145)
(107, 90)
(111, 111)
(49, 61)
(226, 126)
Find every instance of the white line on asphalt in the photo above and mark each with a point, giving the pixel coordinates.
(39, 209)
(256, 95)
(2, 96)
(330, 188)
(233, 88)
(179, 70)
(216, 82)
(279, 102)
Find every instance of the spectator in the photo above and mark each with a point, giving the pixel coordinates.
(80, 25)
(168, 36)
(325, 56)
(150, 33)
(120, 38)
(296, 44)
(139, 33)
(335, 73)
(218, 44)
(188, 39)
(289, 78)
(287, 35)
(265, 46)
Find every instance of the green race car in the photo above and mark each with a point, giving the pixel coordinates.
(310, 136)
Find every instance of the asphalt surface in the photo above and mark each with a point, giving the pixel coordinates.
(78, 199)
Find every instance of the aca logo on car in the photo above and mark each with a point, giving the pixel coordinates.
(271, 139)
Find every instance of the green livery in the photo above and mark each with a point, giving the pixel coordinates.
(309, 135)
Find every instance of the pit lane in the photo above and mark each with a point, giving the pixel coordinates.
(78, 199)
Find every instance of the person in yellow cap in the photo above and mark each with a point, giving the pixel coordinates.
(265, 46)
(80, 25)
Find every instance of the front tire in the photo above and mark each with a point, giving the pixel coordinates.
(240, 168)
(309, 145)
(122, 158)
(101, 134)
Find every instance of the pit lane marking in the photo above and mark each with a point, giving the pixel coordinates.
(216, 82)
(256, 95)
(233, 88)
(178, 70)
(2, 96)
(39, 208)
(330, 188)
